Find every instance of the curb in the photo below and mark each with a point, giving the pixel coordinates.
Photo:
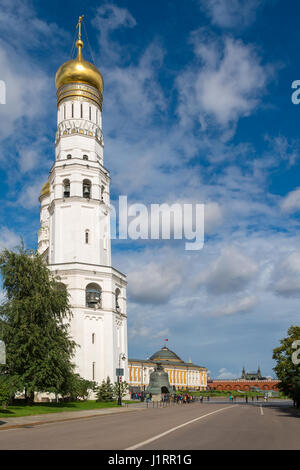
(75, 418)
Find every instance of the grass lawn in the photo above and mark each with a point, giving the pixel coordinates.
(16, 411)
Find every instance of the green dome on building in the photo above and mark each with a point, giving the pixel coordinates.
(165, 354)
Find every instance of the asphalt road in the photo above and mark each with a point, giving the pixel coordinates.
(188, 427)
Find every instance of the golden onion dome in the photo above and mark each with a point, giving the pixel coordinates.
(79, 70)
(45, 189)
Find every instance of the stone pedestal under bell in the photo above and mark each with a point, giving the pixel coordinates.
(156, 397)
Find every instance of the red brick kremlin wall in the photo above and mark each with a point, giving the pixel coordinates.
(241, 384)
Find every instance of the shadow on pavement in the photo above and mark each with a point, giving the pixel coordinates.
(287, 411)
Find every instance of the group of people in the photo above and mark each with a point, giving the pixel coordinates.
(183, 398)
(135, 396)
(233, 398)
(201, 398)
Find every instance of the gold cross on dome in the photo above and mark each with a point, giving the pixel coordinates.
(79, 26)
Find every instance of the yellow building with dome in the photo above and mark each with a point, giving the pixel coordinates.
(182, 375)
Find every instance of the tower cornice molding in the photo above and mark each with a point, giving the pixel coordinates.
(64, 164)
(92, 202)
(82, 268)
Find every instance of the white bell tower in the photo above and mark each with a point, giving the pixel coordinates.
(75, 224)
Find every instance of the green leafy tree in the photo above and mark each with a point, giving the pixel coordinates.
(34, 324)
(124, 386)
(105, 391)
(76, 387)
(8, 387)
(287, 369)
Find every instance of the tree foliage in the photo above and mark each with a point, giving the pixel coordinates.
(287, 371)
(76, 388)
(34, 323)
(8, 387)
(105, 391)
(124, 386)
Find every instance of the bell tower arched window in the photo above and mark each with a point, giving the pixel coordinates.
(66, 184)
(86, 189)
(87, 237)
(117, 294)
(93, 295)
(102, 193)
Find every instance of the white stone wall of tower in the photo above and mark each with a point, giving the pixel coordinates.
(100, 331)
(71, 117)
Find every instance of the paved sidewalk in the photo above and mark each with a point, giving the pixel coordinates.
(28, 421)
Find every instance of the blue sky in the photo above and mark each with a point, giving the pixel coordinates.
(197, 108)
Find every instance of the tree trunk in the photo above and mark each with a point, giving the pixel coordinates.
(30, 399)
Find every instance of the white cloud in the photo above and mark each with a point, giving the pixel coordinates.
(147, 332)
(109, 18)
(242, 305)
(231, 272)
(285, 280)
(226, 86)
(213, 217)
(29, 196)
(8, 239)
(129, 87)
(26, 87)
(231, 13)
(15, 19)
(32, 155)
(153, 283)
(225, 374)
(291, 202)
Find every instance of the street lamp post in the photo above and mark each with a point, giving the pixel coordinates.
(123, 357)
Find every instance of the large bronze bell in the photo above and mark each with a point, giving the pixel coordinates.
(159, 381)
